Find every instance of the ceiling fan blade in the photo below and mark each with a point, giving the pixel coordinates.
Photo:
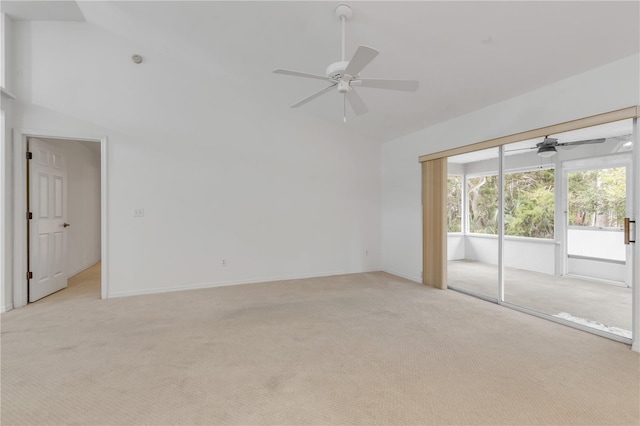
(356, 102)
(521, 149)
(301, 74)
(360, 59)
(389, 84)
(585, 142)
(312, 97)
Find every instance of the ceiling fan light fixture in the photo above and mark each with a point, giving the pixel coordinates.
(547, 151)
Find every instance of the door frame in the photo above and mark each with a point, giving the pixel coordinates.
(20, 254)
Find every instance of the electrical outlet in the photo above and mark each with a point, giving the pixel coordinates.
(224, 262)
(366, 252)
(138, 212)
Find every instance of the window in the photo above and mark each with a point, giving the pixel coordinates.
(482, 193)
(597, 198)
(529, 203)
(454, 203)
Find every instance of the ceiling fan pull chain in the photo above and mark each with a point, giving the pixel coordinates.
(344, 108)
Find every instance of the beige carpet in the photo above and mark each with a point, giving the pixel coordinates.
(355, 349)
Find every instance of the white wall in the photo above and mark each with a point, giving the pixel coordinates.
(537, 254)
(597, 243)
(456, 246)
(529, 254)
(83, 198)
(598, 269)
(219, 176)
(607, 88)
(482, 248)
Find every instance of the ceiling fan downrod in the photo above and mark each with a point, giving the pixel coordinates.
(344, 12)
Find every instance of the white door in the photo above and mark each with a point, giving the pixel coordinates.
(47, 227)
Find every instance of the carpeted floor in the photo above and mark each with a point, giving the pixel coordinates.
(355, 349)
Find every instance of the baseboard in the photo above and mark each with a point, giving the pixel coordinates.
(201, 286)
(635, 347)
(405, 276)
(84, 268)
(598, 280)
(6, 308)
(73, 274)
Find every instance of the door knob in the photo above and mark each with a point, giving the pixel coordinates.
(66, 225)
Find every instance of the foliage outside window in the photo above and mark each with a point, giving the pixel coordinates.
(482, 193)
(529, 203)
(597, 198)
(454, 203)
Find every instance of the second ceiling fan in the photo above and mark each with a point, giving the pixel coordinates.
(345, 75)
(547, 147)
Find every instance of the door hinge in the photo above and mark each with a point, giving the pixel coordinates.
(29, 215)
(29, 155)
(29, 275)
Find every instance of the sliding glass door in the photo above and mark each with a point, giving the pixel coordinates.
(560, 212)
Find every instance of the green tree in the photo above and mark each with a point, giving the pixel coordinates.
(597, 197)
(529, 203)
(483, 204)
(454, 203)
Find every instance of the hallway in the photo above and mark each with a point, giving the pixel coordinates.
(82, 286)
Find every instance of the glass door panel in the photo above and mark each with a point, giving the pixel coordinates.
(563, 247)
(472, 212)
(597, 206)
(529, 227)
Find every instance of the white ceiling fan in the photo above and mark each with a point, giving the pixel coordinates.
(345, 75)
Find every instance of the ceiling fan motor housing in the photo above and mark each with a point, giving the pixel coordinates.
(336, 69)
(547, 142)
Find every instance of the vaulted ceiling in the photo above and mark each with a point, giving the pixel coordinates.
(466, 54)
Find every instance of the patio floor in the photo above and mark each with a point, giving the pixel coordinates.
(599, 302)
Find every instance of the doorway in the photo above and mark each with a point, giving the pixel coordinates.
(85, 218)
(63, 204)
